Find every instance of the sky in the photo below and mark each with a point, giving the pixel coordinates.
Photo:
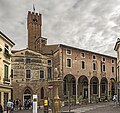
(92, 25)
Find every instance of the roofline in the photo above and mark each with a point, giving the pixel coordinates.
(14, 51)
(4, 36)
(88, 51)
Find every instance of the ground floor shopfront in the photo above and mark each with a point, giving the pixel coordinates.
(5, 95)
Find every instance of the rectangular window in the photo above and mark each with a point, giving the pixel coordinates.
(49, 62)
(27, 60)
(113, 61)
(28, 74)
(68, 51)
(6, 49)
(83, 55)
(83, 65)
(112, 69)
(103, 67)
(49, 72)
(68, 62)
(6, 71)
(103, 59)
(41, 74)
(94, 57)
(94, 66)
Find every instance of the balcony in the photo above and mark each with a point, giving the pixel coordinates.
(6, 81)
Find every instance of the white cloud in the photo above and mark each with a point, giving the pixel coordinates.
(87, 24)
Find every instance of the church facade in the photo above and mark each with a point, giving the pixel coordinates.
(30, 74)
(84, 74)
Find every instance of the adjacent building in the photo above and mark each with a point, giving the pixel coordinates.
(5, 69)
(117, 49)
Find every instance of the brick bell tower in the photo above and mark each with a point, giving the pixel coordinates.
(34, 23)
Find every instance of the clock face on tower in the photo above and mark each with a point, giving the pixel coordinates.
(35, 20)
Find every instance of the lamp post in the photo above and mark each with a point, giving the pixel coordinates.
(56, 97)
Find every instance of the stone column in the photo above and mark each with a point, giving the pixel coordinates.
(56, 97)
(89, 91)
(99, 90)
(77, 91)
(108, 89)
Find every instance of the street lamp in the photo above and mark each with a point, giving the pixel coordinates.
(56, 97)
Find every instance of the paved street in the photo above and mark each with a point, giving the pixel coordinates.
(107, 107)
(99, 108)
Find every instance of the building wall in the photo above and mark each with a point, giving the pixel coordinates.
(76, 70)
(117, 49)
(88, 71)
(5, 82)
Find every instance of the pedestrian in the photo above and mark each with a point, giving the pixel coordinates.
(25, 104)
(14, 105)
(20, 104)
(1, 109)
(115, 98)
(17, 102)
(10, 106)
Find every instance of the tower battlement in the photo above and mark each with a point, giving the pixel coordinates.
(34, 23)
(34, 17)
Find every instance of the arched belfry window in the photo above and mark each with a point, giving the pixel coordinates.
(42, 93)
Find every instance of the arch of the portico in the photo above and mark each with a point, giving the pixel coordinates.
(83, 86)
(112, 89)
(103, 88)
(94, 89)
(69, 86)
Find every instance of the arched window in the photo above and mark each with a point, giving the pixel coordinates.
(42, 93)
